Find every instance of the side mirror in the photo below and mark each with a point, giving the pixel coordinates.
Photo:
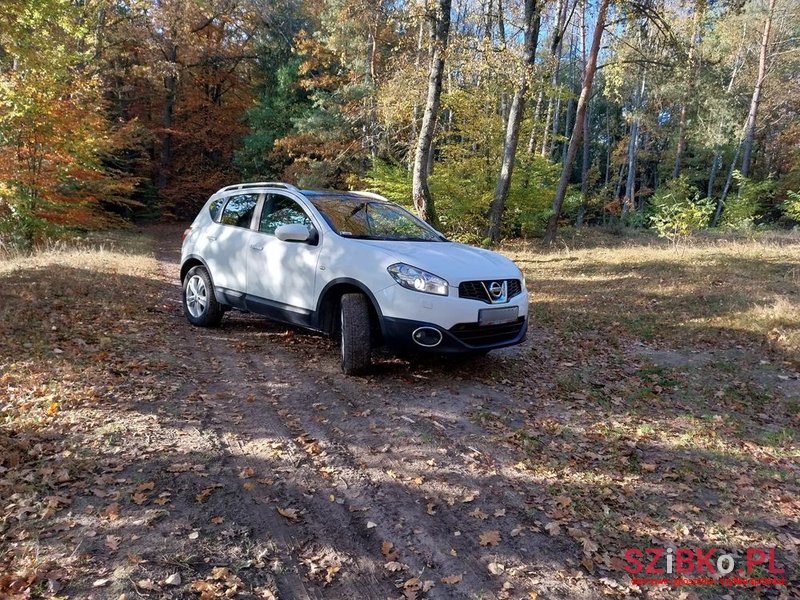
(293, 233)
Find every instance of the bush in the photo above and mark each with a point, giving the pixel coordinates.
(742, 211)
(677, 210)
(791, 208)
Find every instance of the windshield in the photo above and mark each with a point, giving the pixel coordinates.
(373, 220)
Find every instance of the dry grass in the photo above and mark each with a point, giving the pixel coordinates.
(709, 291)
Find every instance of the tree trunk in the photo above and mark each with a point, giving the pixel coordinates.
(555, 51)
(750, 128)
(712, 176)
(628, 202)
(170, 89)
(537, 112)
(583, 101)
(585, 127)
(514, 119)
(726, 189)
(688, 95)
(440, 30)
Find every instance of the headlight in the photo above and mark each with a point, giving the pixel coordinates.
(418, 280)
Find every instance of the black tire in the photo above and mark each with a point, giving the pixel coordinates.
(355, 334)
(199, 303)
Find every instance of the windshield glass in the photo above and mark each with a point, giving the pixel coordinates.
(372, 220)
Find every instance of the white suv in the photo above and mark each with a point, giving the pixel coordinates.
(349, 264)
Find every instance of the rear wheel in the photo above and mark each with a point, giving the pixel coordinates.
(355, 333)
(199, 304)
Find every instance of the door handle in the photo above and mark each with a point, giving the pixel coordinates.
(211, 237)
(259, 248)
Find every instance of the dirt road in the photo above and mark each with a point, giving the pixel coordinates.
(385, 484)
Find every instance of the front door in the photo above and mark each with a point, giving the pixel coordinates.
(282, 274)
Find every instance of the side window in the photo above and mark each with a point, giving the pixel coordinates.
(281, 210)
(215, 208)
(239, 210)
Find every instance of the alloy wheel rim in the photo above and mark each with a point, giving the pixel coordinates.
(196, 296)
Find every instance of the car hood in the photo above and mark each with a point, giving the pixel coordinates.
(451, 260)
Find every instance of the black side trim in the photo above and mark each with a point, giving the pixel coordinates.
(277, 311)
(230, 297)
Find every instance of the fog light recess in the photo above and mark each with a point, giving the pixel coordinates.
(428, 337)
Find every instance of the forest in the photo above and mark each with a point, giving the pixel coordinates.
(492, 119)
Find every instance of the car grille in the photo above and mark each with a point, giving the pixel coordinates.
(476, 290)
(473, 334)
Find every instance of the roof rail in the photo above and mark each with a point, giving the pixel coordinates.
(371, 195)
(246, 186)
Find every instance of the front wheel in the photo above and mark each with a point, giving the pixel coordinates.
(355, 333)
(199, 304)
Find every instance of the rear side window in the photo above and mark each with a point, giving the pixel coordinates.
(215, 208)
(239, 210)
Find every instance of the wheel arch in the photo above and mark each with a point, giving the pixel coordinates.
(193, 261)
(329, 300)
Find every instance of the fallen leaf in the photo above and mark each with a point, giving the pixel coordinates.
(500, 512)
(470, 496)
(496, 568)
(490, 538)
(553, 528)
(589, 546)
(648, 467)
(217, 520)
(174, 579)
(205, 494)
(112, 511)
(371, 525)
(112, 542)
(148, 584)
(479, 514)
(727, 521)
(290, 513)
(100, 582)
(331, 573)
(452, 579)
(394, 566)
(388, 551)
(247, 472)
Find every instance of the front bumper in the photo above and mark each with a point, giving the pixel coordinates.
(462, 337)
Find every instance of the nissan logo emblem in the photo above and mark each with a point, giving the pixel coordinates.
(496, 289)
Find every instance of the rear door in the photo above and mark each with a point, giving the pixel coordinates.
(282, 274)
(226, 243)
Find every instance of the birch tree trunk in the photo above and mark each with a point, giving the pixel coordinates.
(440, 30)
(628, 203)
(511, 141)
(750, 128)
(583, 101)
